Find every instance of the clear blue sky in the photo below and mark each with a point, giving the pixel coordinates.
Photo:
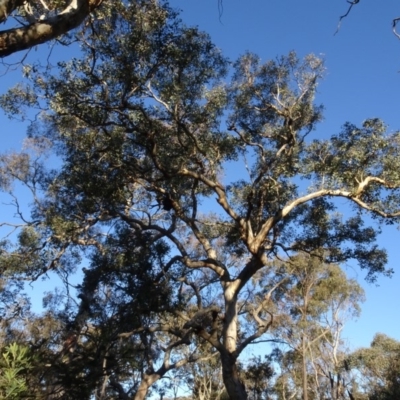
(362, 81)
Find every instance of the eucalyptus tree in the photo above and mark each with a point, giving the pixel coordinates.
(378, 368)
(129, 311)
(315, 301)
(258, 375)
(204, 381)
(148, 125)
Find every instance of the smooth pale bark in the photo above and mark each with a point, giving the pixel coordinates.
(145, 385)
(305, 374)
(17, 39)
(233, 384)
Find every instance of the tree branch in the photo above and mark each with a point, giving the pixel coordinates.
(254, 245)
(7, 7)
(17, 39)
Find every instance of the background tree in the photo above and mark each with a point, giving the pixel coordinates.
(205, 380)
(258, 374)
(317, 298)
(378, 368)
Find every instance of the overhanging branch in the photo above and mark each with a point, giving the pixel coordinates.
(17, 39)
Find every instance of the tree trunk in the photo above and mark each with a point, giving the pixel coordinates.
(145, 384)
(233, 384)
(305, 375)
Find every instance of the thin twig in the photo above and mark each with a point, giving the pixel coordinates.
(395, 21)
(352, 3)
(220, 10)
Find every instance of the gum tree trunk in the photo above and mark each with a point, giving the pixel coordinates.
(305, 374)
(233, 384)
(145, 385)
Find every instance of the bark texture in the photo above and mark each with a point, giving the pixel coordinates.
(17, 39)
(233, 384)
(145, 385)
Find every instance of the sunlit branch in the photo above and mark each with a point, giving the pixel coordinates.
(17, 39)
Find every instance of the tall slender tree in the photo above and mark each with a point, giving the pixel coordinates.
(315, 301)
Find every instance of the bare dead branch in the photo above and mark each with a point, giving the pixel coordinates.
(352, 3)
(394, 25)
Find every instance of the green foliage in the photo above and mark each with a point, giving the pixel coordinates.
(14, 367)
(258, 375)
(379, 368)
(315, 300)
